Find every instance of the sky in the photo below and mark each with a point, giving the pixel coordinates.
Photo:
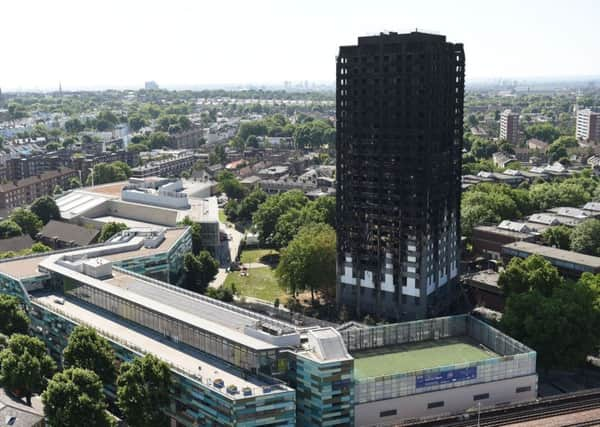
(178, 43)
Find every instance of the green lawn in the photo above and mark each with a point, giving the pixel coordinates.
(417, 356)
(222, 216)
(260, 283)
(255, 255)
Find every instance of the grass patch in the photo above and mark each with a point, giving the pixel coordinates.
(222, 216)
(260, 283)
(258, 255)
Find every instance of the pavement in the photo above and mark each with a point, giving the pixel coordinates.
(251, 265)
(219, 278)
(229, 251)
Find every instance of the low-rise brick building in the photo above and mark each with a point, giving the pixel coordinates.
(22, 192)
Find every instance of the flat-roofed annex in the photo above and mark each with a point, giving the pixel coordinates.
(174, 304)
(196, 364)
(24, 267)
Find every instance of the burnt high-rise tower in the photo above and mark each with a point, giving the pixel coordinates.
(399, 143)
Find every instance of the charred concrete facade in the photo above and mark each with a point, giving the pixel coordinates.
(399, 142)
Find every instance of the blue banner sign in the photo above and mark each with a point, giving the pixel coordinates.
(445, 377)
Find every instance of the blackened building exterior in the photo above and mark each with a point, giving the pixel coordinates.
(399, 146)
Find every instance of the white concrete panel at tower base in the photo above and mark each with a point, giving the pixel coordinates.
(410, 288)
(388, 283)
(367, 282)
(347, 277)
(430, 285)
(443, 278)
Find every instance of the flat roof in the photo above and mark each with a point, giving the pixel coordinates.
(418, 356)
(203, 313)
(112, 189)
(554, 253)
(501, 231)
(20, 268)
(201, 367)
(196, 307)
(131, 223)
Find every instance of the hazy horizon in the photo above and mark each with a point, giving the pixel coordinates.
(98, 45)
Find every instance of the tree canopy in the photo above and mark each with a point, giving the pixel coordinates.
(110, 229)
(244, 209)
(585, 237)
(308, 262)
(266, 217)
(558, 237)
(104, 173)
(542, 131)
(88, 350)
(230, 185)
(13, 319)
(196, 229)
(143, 391)
(9, 228)
(45, 208)
(558, 319)
(73, 396)
(199, 270)
(29, 222)
(25, 365)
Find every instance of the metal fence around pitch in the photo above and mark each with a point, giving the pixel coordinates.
(512, 359)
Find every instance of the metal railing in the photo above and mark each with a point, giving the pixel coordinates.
(274, 384)
(259, 317)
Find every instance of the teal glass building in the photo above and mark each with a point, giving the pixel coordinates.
(236, 367)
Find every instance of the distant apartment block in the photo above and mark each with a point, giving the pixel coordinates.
(85, 164)
(168, 167)
(151, 85)
(190, 138)
(588, 125)
(509, 126)
(24, 191)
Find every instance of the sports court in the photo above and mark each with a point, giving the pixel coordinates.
(417, 356)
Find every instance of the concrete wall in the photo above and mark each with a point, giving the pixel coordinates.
(154, 215)
(164, 199)
(456, 400)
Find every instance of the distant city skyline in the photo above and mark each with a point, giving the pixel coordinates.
(110, 44)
